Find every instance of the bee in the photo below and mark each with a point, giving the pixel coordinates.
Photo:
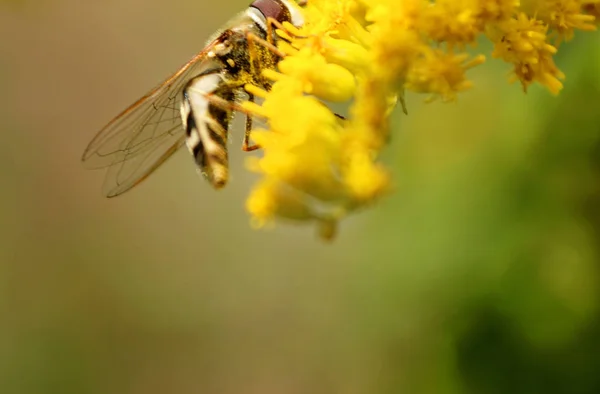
(195, 106)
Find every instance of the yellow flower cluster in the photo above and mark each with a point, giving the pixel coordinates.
(319, 166)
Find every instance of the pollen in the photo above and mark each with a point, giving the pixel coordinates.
(318, 166)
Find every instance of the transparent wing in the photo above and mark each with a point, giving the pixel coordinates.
(145, 135)
(124, 175)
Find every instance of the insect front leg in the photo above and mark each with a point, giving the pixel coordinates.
(273, 24)
(253, 39)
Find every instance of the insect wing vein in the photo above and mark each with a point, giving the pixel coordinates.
(145, 135)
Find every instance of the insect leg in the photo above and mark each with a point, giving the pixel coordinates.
(253, 38)
(253, 54)
(246, 145)
(272, 22)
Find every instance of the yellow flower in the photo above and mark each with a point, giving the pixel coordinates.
(563, 16)
(451, 21)
(593, 8)
(441, 73)
(302, 148)
(491, 11)
(316, 74)
(318, 166)
(522, 41)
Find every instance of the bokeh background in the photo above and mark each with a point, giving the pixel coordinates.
(479, 274)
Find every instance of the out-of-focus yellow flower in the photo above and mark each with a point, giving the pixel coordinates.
(563, 16)
(593, 8)
(451, 21)
(318, 166)
(441, 74)
(491, 11)
(523, 42)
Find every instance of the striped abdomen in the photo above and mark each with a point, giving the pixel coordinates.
(207, 125)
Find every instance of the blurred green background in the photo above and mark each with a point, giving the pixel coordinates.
(479, 275)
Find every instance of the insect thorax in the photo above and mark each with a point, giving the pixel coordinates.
(243, 60)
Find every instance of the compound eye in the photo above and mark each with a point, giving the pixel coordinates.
(272, 9)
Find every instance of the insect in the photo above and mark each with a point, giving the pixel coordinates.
(195, 106)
